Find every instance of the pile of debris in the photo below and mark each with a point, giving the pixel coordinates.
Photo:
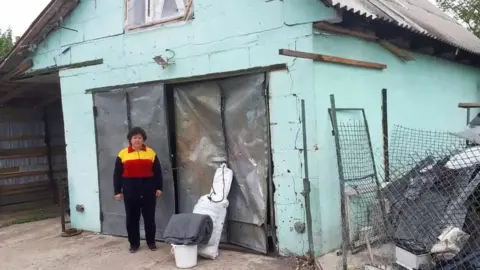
(434, 211)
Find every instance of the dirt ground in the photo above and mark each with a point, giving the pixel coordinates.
(38, 245)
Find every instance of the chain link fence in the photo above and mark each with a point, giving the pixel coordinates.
(424, 215)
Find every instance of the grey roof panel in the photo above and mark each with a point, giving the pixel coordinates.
(420, 16)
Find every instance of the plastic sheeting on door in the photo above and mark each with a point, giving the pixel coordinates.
(142, 106)
(208, 115)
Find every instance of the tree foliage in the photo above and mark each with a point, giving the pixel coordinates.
(466, 12)
(6, 42)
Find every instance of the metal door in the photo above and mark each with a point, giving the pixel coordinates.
(218, 121)
(116, 111)
(245, 120)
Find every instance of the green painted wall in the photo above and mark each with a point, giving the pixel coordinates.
(422, 94)
(230, 35)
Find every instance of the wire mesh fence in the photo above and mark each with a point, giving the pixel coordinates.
(426, 215)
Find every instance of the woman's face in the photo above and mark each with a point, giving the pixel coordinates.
(137, 141)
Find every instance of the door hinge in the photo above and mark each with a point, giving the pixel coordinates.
(95, 111)
(101, 216)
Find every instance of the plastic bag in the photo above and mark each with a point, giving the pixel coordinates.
(217, 211)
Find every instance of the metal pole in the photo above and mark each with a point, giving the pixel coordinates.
(306, 186)
(62, 203)
(345, 227)
(386, 162)
(375, 175)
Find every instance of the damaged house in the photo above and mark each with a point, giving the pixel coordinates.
(223, 81)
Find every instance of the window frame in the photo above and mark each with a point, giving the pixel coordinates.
(184, 13)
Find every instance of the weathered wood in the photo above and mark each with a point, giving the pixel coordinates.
(25, 65)
(340, 30)
(17, 187)
(30, 152)
(22, 174)
(53, 69)
(25, 197)
(9, 170)
(469, 105)
(332, 59)
(26, 205)
(402, 54)
(22, 137)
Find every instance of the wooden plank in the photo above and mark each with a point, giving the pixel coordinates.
(21, 137)
(23, 174)
(9, 170)
(402, 54)
(25, 190)
(25, 197)
(469, 105)
(332, 59)
(25, 65)
(26, 206)
(9, 188)
(53, 69)
(340, 30)
(30, 152)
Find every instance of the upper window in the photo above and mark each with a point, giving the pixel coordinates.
(142, 13)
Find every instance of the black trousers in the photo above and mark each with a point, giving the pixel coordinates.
(144, 205)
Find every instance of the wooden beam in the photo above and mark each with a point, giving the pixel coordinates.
(340, 30)
(332, 59)
(402, 54)
(19, 187)
(9, 170)
(24, 66)
(53, 69)
(467, 105)
(21, 137)
(30, 152)
(29, 173)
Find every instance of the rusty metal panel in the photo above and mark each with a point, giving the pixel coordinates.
(223, 118)
(200, 141)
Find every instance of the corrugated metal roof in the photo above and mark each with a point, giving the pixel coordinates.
(420, 16)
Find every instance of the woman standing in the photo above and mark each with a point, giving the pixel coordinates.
(138, 179)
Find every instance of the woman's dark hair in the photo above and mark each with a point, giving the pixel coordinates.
(137, 131)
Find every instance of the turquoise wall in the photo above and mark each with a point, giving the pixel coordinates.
(422, 94)
(229, 35)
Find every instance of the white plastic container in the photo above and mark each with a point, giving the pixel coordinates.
(185, 256)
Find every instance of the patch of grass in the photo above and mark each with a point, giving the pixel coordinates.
(28, 218)
(32, 218)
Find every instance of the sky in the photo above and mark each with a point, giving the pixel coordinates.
(19, 14)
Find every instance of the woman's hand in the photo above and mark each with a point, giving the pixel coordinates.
(118, 197)
(158, 193)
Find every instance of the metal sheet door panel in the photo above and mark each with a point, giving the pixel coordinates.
(117, 111)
